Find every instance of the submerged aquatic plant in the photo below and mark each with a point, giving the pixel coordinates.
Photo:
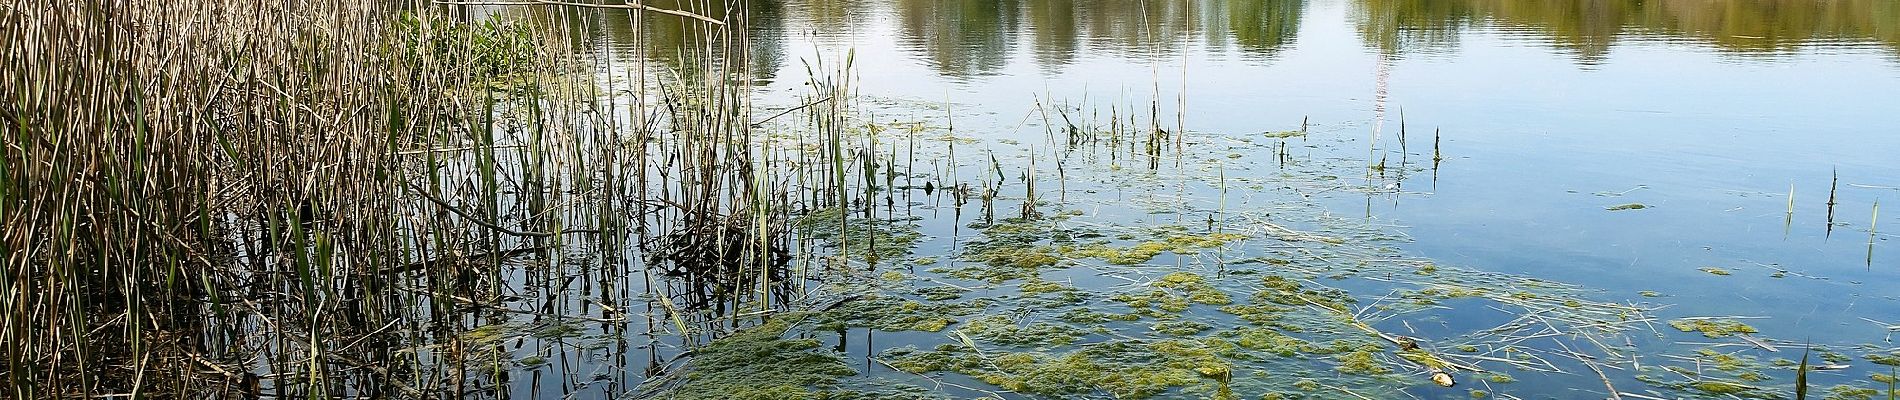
(758, 363)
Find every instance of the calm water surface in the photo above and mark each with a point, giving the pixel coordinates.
(1710, 113)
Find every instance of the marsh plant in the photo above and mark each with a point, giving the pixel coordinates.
(324, 198)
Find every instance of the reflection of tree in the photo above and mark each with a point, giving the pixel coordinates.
(677, 43)
(1158, 27)
(834, 15)
(683, 43)
(960, 38)
(965, 38)
(1264, 26)
(1054, 25)
(1776, 25)
(1153, 27)
(1583, 28)
(1588, 28)
(1400, 26)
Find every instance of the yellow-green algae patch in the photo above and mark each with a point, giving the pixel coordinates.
(1712, 328)
(759, 363)
(1011, 249)
(1847, 392)
(1720, 387)
(1277, 343)
(1171, 242)
(1088, 316)
(1257, 314)
(894, 314)
(941, 293)
(1884, 378)
(1005, 330)
(858, 238)
(1017, 257)
(1155, 304)
(1197, 289)
(1280, 290)
(1361, 362)
(1888, 359)
(1728, 362)
(1035, 286)
(1041, 294)
(1127, 369)
(1179, 328)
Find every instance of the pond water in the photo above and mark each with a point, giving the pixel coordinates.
(1443, 145)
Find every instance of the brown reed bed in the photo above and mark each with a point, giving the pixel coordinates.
(206, 198)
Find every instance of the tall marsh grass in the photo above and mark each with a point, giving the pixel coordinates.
(315, 198)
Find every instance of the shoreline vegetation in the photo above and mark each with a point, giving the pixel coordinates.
(406, 199)
(319, 198)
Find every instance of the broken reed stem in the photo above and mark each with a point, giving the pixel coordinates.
(1833, 184)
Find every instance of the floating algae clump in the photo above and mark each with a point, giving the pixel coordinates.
(1155, 304)
(1008, 252)
(1128, 369)
(1846, 392)
(1018, 234)
(1087, 316)
(1727, 362)
(1197, 289)
(1017, 257)
(870, 239)
(1257, 314)
(892, 314)
(1004, 330)
(759, 363)
(1034, 286)
(941, 293)
(1306, 385)
(1040, 294)
(1722, 388)
(1179, 328)
(1630, 206)
(1360, 362)
(1272, 341)
(490, 334)
(1712, 328)
(1137, 254)
(1211, 240)
(1714, 271)
(1280, 290)
(1144, 251)
(1890, 359)
(1884, 378)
